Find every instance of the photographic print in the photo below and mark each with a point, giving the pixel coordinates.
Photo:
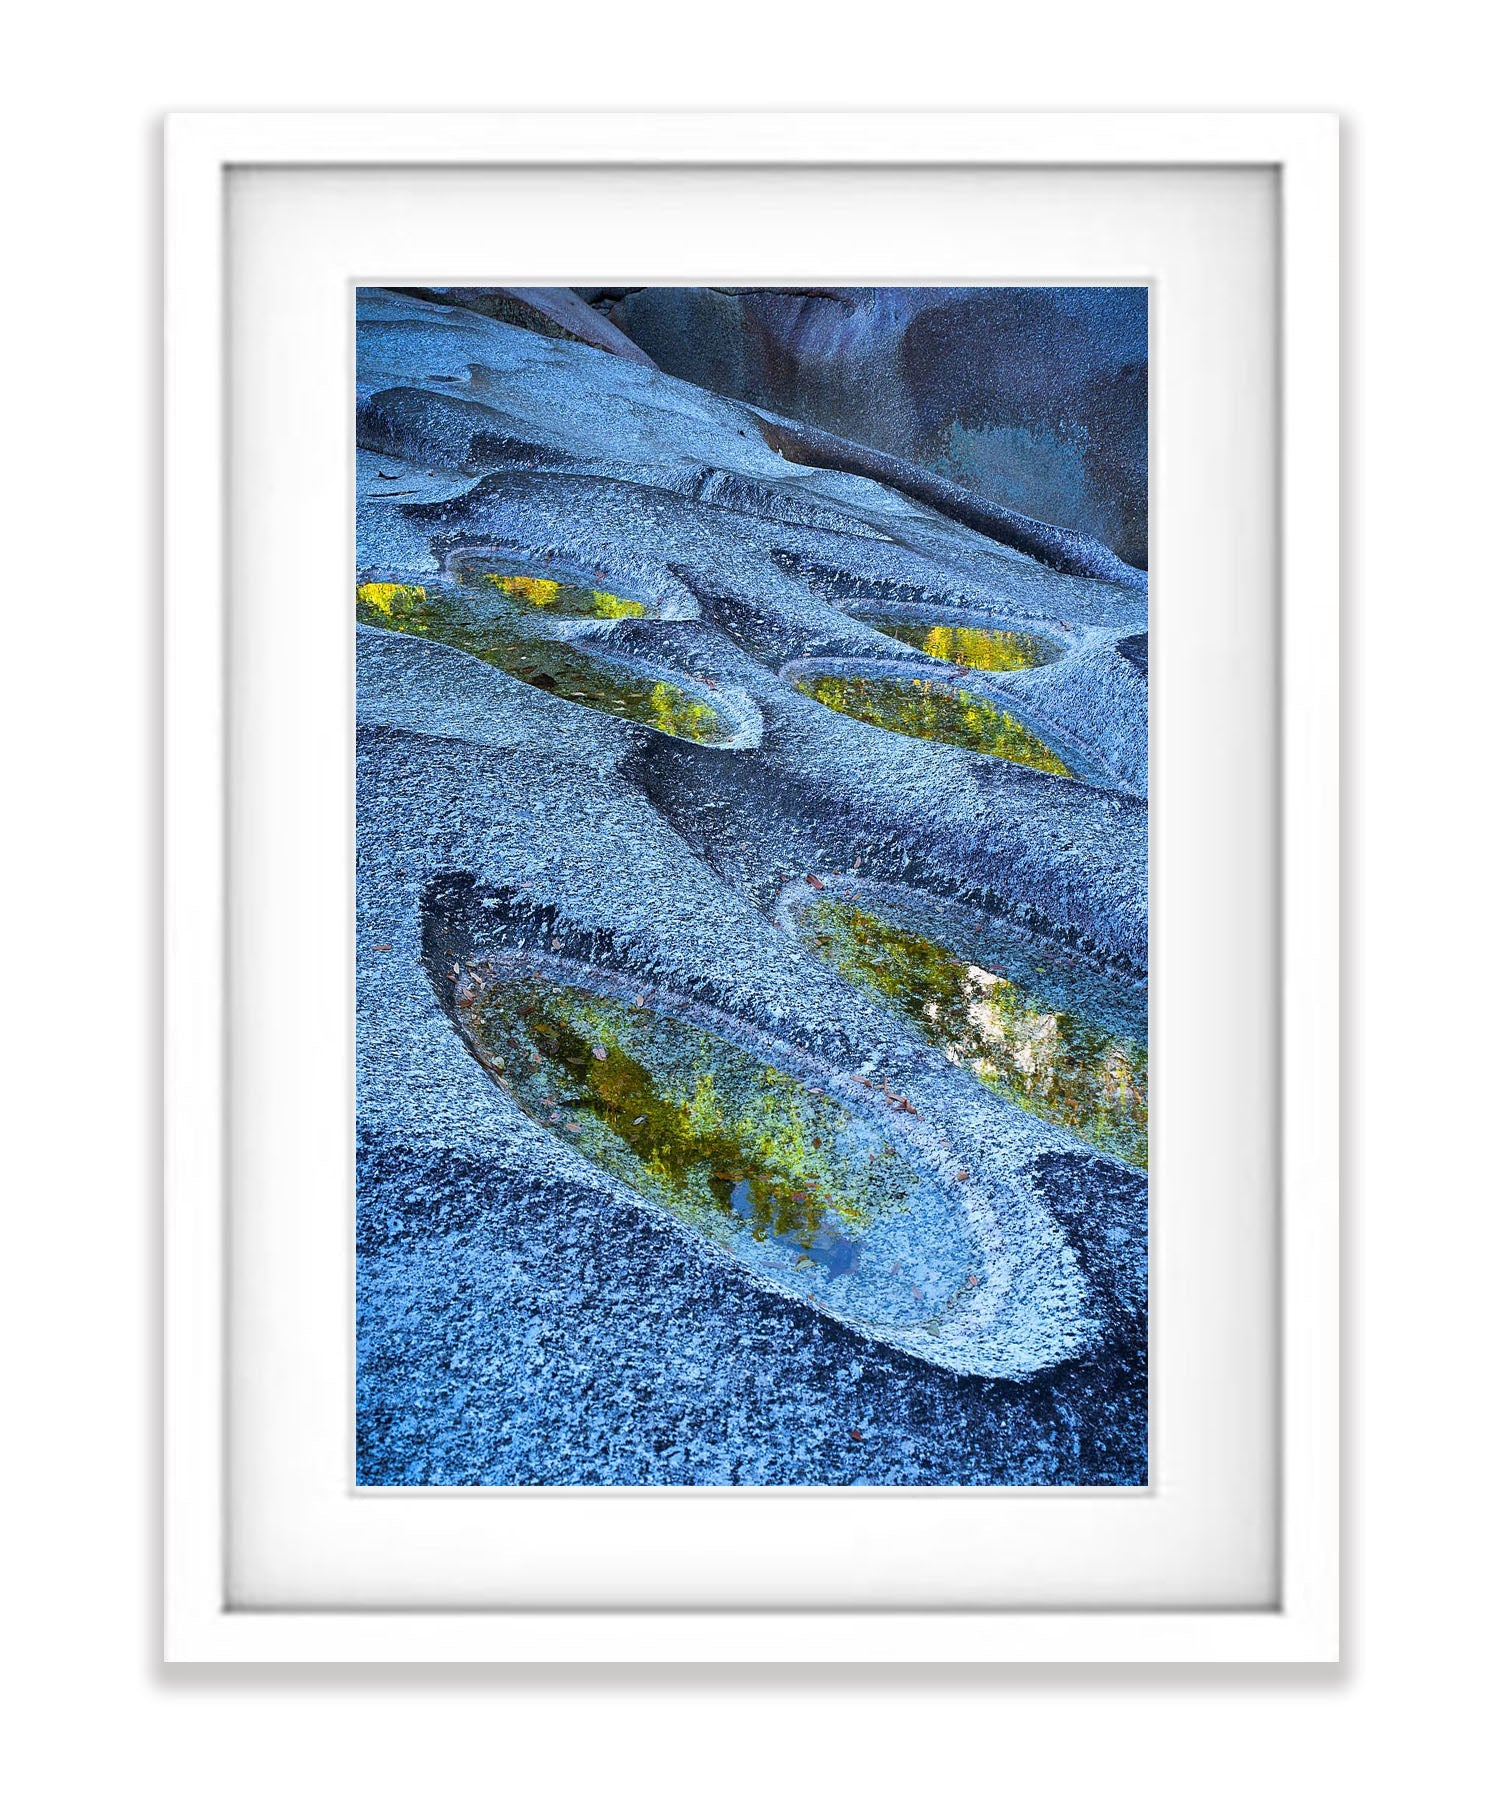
(751, 939)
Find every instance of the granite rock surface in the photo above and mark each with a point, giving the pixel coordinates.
(523, 1314)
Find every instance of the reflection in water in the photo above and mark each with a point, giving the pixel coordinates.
(560, 598)
(494, 627)
(757, 1161)
(936, 710)
(970, 646)
(1045, 1044)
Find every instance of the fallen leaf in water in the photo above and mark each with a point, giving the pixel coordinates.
(813, 882)
(961, 1175)
(382, 946)
(856, 1434)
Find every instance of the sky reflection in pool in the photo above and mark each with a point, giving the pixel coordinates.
(1033, 1031)
(761, 1164)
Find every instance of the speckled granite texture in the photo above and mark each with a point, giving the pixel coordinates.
(524, 1316)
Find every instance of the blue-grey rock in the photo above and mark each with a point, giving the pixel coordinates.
(524, 1316)
(1033, 397)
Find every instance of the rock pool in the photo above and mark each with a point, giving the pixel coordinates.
(558, 598)
(490, 620)
(938, 710)
(1059, 1040)
(970, 646)
(799, 1188)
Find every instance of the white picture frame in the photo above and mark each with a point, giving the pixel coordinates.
(201, 1623)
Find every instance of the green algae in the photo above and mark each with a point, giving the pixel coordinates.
(970, 646)
(499, 632)
(1065, 1063)
(936, 710)
(747, 1154)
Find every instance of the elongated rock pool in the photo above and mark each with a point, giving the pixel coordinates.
(1057, 1039)
(940, 711)
(502, 620)
(970, 646)
(769, 1169)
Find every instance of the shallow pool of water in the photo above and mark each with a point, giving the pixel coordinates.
(1052, 1038)
(760, 1163)
(937, 710)
(493, 627)
(970, 646)
(559, 599)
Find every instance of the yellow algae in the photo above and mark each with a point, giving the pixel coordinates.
(536, 589)
(704, 1128)
(506, 640)
(386, 596)
(976, 648)
(675, 713)
(937, 711)
(563, 596)
(611, 606)
(1058, 1063)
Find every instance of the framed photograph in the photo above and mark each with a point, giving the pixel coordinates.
(727, 677)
